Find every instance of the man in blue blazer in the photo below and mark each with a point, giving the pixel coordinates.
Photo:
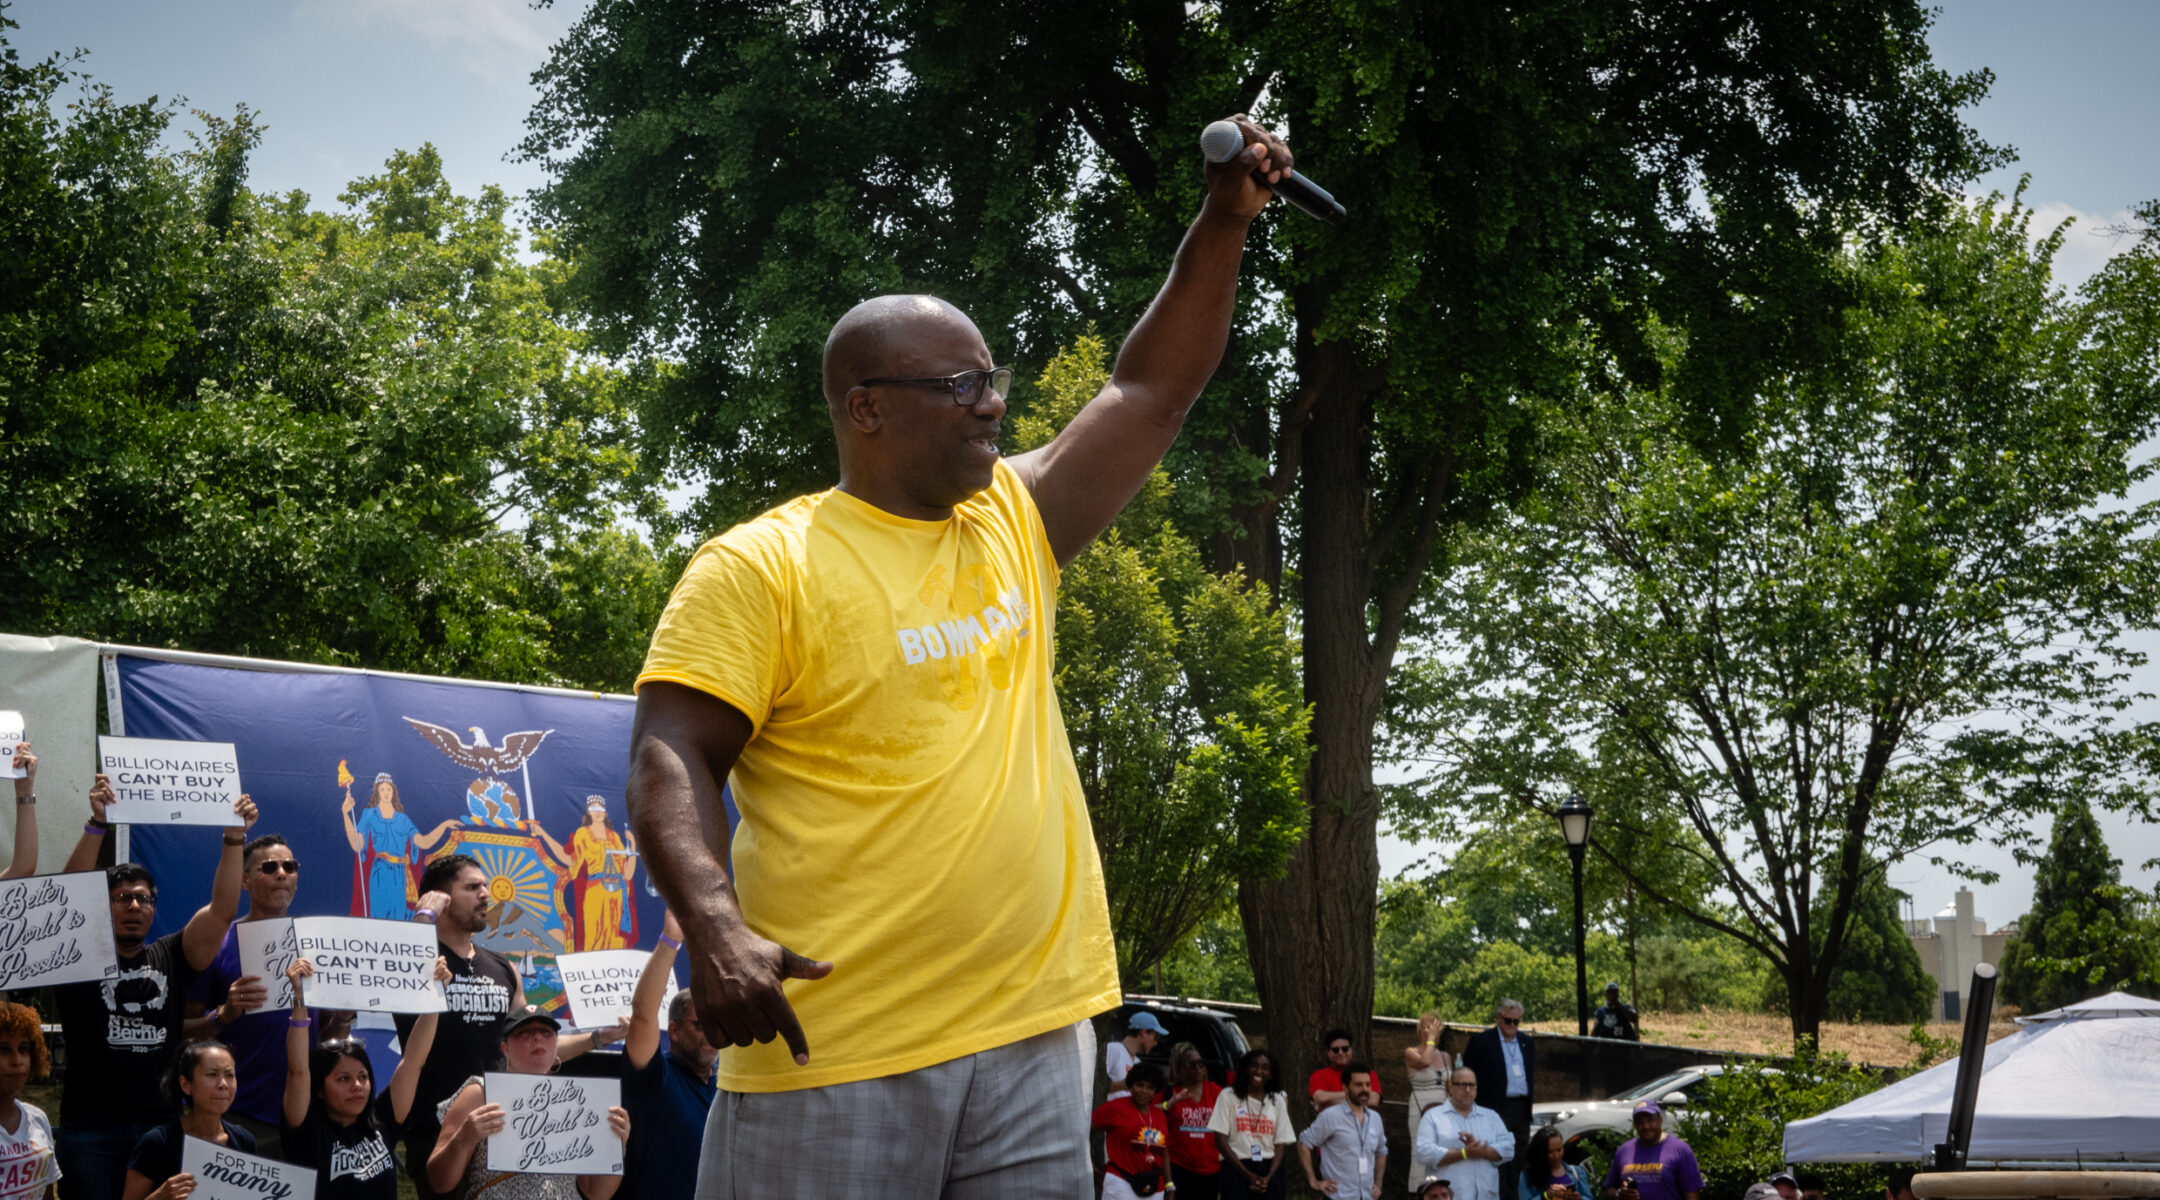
(1505, 1060)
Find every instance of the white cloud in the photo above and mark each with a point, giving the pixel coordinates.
(501, 41)
(2091, 240)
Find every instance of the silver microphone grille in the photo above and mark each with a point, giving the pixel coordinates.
(1220, 140)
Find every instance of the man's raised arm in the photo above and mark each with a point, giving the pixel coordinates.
(682, 746)
(1087, 474)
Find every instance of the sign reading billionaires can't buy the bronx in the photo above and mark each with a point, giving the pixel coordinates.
(598, 985)
(223, 1173)
(369, 966)
(55, 929)
(156, 782)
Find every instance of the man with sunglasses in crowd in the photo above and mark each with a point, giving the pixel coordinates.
(1504, 1058)
(235, 1008)
(912, 902)
(1329, 1085)
(124, 1033)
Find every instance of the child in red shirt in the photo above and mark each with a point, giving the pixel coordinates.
(1136, 1137)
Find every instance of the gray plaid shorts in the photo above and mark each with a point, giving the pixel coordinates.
(1009, 1123)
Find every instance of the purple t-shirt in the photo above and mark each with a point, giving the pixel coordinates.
(1666, 1171)
(257, 1038)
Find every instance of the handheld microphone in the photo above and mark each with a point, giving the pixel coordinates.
(1221, 141)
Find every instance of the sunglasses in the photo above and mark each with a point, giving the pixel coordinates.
(1511, 1020)
(1338, 1049)
(278, 866)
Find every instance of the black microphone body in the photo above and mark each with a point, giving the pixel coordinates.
(1308, 197)
(1223, 139)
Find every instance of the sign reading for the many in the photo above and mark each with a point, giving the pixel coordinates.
(223, 1173)
(156, 782)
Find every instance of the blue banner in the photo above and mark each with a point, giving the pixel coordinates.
(371, 777)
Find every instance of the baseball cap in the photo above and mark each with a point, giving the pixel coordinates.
(1614, 986)
(1784, 1177)
(1145, 1021)
(1430, 1180)
(1649, 1106)
(1761, 1191)
(526, 1016)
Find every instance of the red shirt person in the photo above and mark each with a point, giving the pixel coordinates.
(1136, 1137)
(1194, 1157)
(1325, 1086)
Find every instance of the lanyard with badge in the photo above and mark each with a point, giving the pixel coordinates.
(1364, 1151)
(1256, 1156)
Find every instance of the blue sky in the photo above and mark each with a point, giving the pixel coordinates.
(342, 83)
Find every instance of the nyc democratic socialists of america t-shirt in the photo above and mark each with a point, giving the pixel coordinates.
(910, 809)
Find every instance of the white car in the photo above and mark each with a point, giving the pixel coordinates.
(1603, 1124)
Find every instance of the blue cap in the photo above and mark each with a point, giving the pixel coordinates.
(1614, 986)
(1649, 1106)
(1142, 1020)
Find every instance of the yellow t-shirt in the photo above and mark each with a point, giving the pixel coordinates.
(910, 809)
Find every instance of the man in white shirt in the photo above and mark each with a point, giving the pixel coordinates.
(1353, 1150)
(1465, 1143)
(1141, 1034)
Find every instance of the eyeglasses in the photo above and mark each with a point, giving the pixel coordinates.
(278, 866)
(1468, 1083)
(966, 387)
(134, 900)
(1338, 1049)
(1511, 1020)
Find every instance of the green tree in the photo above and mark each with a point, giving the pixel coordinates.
(2084, 936)
(733, 175)
(1180, 693)
(1792, 650)
(1736, 1122)
(1878, 977)
(234, 423)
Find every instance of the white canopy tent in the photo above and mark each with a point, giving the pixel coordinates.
(2077, 1085)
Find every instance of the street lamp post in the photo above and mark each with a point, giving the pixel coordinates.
(1575, 827)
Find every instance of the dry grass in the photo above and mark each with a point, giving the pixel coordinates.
(1766, 1033)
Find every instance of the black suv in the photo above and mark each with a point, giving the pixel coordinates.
(1213, 1031)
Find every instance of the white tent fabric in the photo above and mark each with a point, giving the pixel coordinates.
(2057, 1091)
(2114, 1004)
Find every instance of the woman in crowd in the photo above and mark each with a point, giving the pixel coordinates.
(1194, 1158)
(1136, 1140)
(331, 1121)
(1251, 1126)
(27, 1167)
(459, 1168)
(1546, 1173)
(203, 1082)
(1429, 1067)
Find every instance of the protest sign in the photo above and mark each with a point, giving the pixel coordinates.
(156, 782)
(222, 1173)
(369, 966)
(598, 985)
(267, 949)
(11, 736)
(554, 1125)
(55, 929)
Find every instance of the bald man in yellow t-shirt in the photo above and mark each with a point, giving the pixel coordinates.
(916, 907)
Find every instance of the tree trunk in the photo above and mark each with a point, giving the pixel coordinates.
(1311, 933)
